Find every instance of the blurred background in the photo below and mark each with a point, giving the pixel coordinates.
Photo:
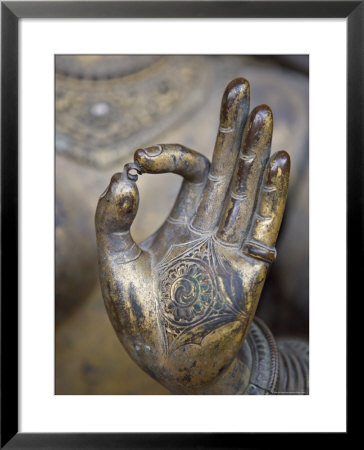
(107, 107)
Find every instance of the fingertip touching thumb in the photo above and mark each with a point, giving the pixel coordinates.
(118, 205)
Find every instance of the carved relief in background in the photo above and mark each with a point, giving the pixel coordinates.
(107, 105)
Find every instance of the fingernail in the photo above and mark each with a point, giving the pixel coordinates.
(153, 151)
(128, 168)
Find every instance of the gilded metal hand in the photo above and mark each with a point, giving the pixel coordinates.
(182, 302)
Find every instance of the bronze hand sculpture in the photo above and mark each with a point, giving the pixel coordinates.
(183, 302)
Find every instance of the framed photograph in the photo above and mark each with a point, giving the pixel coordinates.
(85, 84)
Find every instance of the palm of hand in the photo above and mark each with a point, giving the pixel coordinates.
(202, 285)
(182, 302)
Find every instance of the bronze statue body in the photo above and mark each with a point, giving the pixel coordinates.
(183, 301)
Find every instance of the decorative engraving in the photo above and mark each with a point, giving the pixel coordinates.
(106, 106)
(188, 292)
(195, 287)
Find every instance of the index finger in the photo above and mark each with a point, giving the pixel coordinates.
(176, 158)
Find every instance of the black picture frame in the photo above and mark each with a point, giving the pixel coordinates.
(11, 13)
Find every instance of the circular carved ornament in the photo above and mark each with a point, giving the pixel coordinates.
(188, 292)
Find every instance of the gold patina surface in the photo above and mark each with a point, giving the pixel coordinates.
(183, 301)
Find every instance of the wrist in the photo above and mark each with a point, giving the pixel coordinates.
(254, 370)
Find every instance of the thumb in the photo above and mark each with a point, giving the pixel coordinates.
(115, 213)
